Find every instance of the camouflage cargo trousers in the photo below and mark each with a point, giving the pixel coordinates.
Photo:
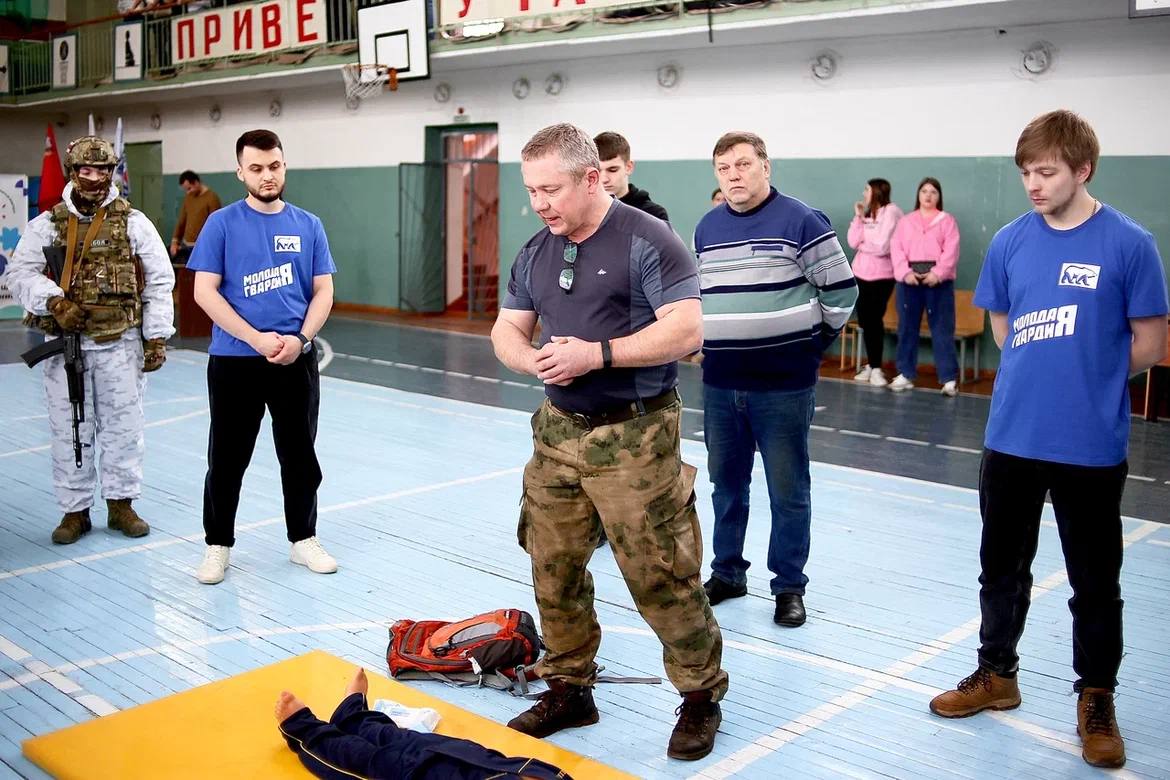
(114, 420)
(628, 477)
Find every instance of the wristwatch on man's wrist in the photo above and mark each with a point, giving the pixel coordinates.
(606, 354)
(306, 343)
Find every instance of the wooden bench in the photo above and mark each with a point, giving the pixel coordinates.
(969, 325)
(1150, 412)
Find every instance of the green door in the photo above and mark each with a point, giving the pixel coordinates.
(144, 162)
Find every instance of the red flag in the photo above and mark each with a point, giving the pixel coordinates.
(52, 176)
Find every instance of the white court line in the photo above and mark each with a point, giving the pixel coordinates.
(861, 434)
(155, 424)
(326, 354)
(180, 399)
(915, 442)
(14, 651)
(1140, 478)
(1053, 739)
(258, 524)
(953, 448)
(1159, 542)
(39, 670)
(875, 682)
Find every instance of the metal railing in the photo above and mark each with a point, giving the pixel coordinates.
(31, 61)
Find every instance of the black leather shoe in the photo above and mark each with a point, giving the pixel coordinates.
(789, 610)
(718, 590)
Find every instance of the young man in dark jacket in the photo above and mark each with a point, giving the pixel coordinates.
(616, 167)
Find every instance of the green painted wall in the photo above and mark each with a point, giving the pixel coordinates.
(359, 207)
(983, 193)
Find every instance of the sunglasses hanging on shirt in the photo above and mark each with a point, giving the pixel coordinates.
(566, 278)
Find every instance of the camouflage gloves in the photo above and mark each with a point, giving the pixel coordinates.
(154, 354)
(67, 313)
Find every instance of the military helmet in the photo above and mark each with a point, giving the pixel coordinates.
(90, 150)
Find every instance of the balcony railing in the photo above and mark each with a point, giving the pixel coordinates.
(30, 62)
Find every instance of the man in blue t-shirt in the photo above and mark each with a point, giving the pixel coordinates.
(265, 277)
(1078, 304)
(617, 295)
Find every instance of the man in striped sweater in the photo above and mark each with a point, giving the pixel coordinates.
(776, 290)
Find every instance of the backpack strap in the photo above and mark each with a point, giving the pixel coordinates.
(494, 680)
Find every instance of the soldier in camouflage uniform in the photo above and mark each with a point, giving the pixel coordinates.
(618, 298)
(116, 290)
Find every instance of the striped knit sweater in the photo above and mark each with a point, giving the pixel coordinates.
(777, 289)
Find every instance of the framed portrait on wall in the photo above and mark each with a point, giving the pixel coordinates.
(64, 54)
(4, 71)
(128, 65)
(1148, 8)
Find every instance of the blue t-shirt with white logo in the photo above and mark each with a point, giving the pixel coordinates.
(1061, 393)
(267, 262)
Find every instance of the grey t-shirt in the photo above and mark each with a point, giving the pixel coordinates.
(633, 265)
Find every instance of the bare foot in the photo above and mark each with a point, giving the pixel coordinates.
(287, 705)
(359, 683)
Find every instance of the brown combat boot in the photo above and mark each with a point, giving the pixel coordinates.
(694, 734)
(73, 526)
(1101, 743)
(983, 690)
(122, 517)
(562, 706)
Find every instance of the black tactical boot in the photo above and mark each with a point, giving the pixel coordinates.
(562, 706)
(73, 526)
(122, 517)
(694, 734)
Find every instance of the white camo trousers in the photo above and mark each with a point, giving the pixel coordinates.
(114, 420)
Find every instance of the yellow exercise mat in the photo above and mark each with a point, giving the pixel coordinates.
(227, 729)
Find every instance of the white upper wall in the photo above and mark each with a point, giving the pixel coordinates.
(938, 94)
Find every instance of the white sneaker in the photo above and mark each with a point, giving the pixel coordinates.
(215, 563)
(877, 378)
(901, 383)
(309, 552)
(864, 374)
(950, 389)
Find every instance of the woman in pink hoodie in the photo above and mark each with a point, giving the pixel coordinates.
(874, 220)
(925, 252)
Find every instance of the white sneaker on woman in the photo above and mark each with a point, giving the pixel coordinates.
(877, 378)
(309, 552)
(864, 374)
(950, 389)
(901, 383)
(214, 566)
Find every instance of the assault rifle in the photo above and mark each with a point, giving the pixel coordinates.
(68, 345)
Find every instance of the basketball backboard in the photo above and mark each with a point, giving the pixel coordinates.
(394, 33)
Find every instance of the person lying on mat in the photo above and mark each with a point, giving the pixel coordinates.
(359, 742)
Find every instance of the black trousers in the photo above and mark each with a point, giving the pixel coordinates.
(1087, 503)
(357, 742)
(239, 389)
(872, 298)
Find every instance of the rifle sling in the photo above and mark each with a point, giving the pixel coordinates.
(71, 244)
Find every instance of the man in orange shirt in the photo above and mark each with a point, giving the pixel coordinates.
(197, 206)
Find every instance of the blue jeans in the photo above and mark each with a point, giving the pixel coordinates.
(735, 424)
(939, 302)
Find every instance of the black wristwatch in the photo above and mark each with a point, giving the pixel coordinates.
(306, 343)
(606, 354)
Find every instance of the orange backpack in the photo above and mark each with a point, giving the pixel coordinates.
(487, 649)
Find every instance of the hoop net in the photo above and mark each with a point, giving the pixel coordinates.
(362, 81)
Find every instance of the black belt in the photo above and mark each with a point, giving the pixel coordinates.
(623, 413)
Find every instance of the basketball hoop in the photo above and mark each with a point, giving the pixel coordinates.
(363, 81)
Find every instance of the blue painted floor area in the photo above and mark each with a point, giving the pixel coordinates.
(419, 505)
